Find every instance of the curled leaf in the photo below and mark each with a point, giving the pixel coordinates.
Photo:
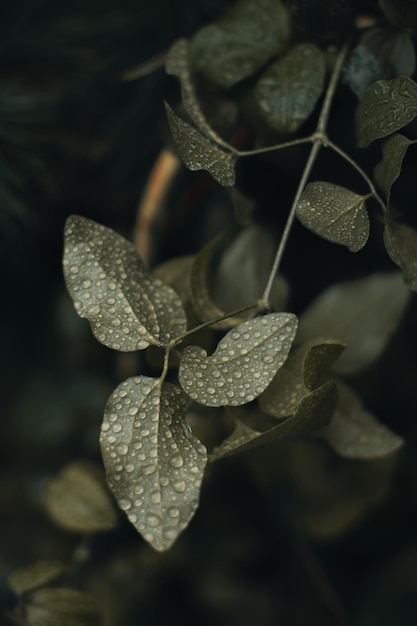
(50, 607)
(127, 308)
(240, 42)
(389, 168)
(354, 433)
(198, 153)
(77, 499)
(30, 577)
(335, 213)
(387, 106)
(288, 90)
(154, 464)
(401, 244)
(243, 364)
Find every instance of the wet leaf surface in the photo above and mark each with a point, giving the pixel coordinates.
(128, 309)
(387, 106)
(335, 213)
(363, 314)
(401, 244)
(389, 168)
(198, 153)
(30, 577)
(287, 92)
(67, 607)
(243, 364)
(154, 464)
(239, 43)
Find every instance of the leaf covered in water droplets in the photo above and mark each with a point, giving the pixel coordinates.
(243, 364)
(335, 213)
(198, 153)
(69, 607)
(387, 106)
(354, 433)
(401, 244)
(288, 90)
(389, 168)
(154, 464)
(313, 412)
(241, 41)
(127, 308)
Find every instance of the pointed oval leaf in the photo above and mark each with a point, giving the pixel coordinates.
(401, 244)
(401, 13)
(313, 412)
(335, 213)
(127, 308)
(389, 168)
(240, 42)
(363, 314)
(50, 607)
(30, 577)
(354, 433)
(387, 106)
(154, 464)
(288, 90)
(243, 364)
(77, 499)
(198, 153)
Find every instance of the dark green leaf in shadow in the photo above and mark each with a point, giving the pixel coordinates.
(393, 48)
(363, 314)
(63, 607)
(389, 168)
(401, 13)
(243, 364)
(176, 273)
(128, 309)
(288, 90)
(335, 213)
(313, 412)
(198, 153)
(354, 433)
(401, 244)
(240, 42)
(387, 106)
(154, 464)
(78, 499)
(30, 577)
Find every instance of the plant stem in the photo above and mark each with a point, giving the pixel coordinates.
(278, 146)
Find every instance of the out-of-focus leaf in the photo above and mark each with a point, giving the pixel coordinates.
(394, 48)
(401, 13)
(77, 499)
(240, 42)
(243, 364)
(154, 464)
(176, 273)
(335, 213)
(30, 577)
(362, 314)
(64, 607)
(401, 244)
(387, 106)
(126, 307)
(313, 412)
(389, 168)
(198, 153)
(288, 90)
(298, 376)
(177, 64)
(356, 434)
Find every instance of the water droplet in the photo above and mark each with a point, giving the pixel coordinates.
(174, 511)
(176, 460)
(122, 448)
(125, 504)
(153, 520)
(180, 486)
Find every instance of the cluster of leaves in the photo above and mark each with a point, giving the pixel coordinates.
(154, 463)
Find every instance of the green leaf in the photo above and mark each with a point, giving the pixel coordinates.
(288, 90)
(240, 42)
(335, 213)
(386, 106)
(389, 168)
(127, 308)
(354, 433)
(66, 607)
(298, 376)
(154, 464)
(176, 273)
(77, 499)
(313, 412)
(401, 244)
(243, 364)
(30, 577)
(363, 314)
(393, 48)
(401, 13)
(198, 153)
